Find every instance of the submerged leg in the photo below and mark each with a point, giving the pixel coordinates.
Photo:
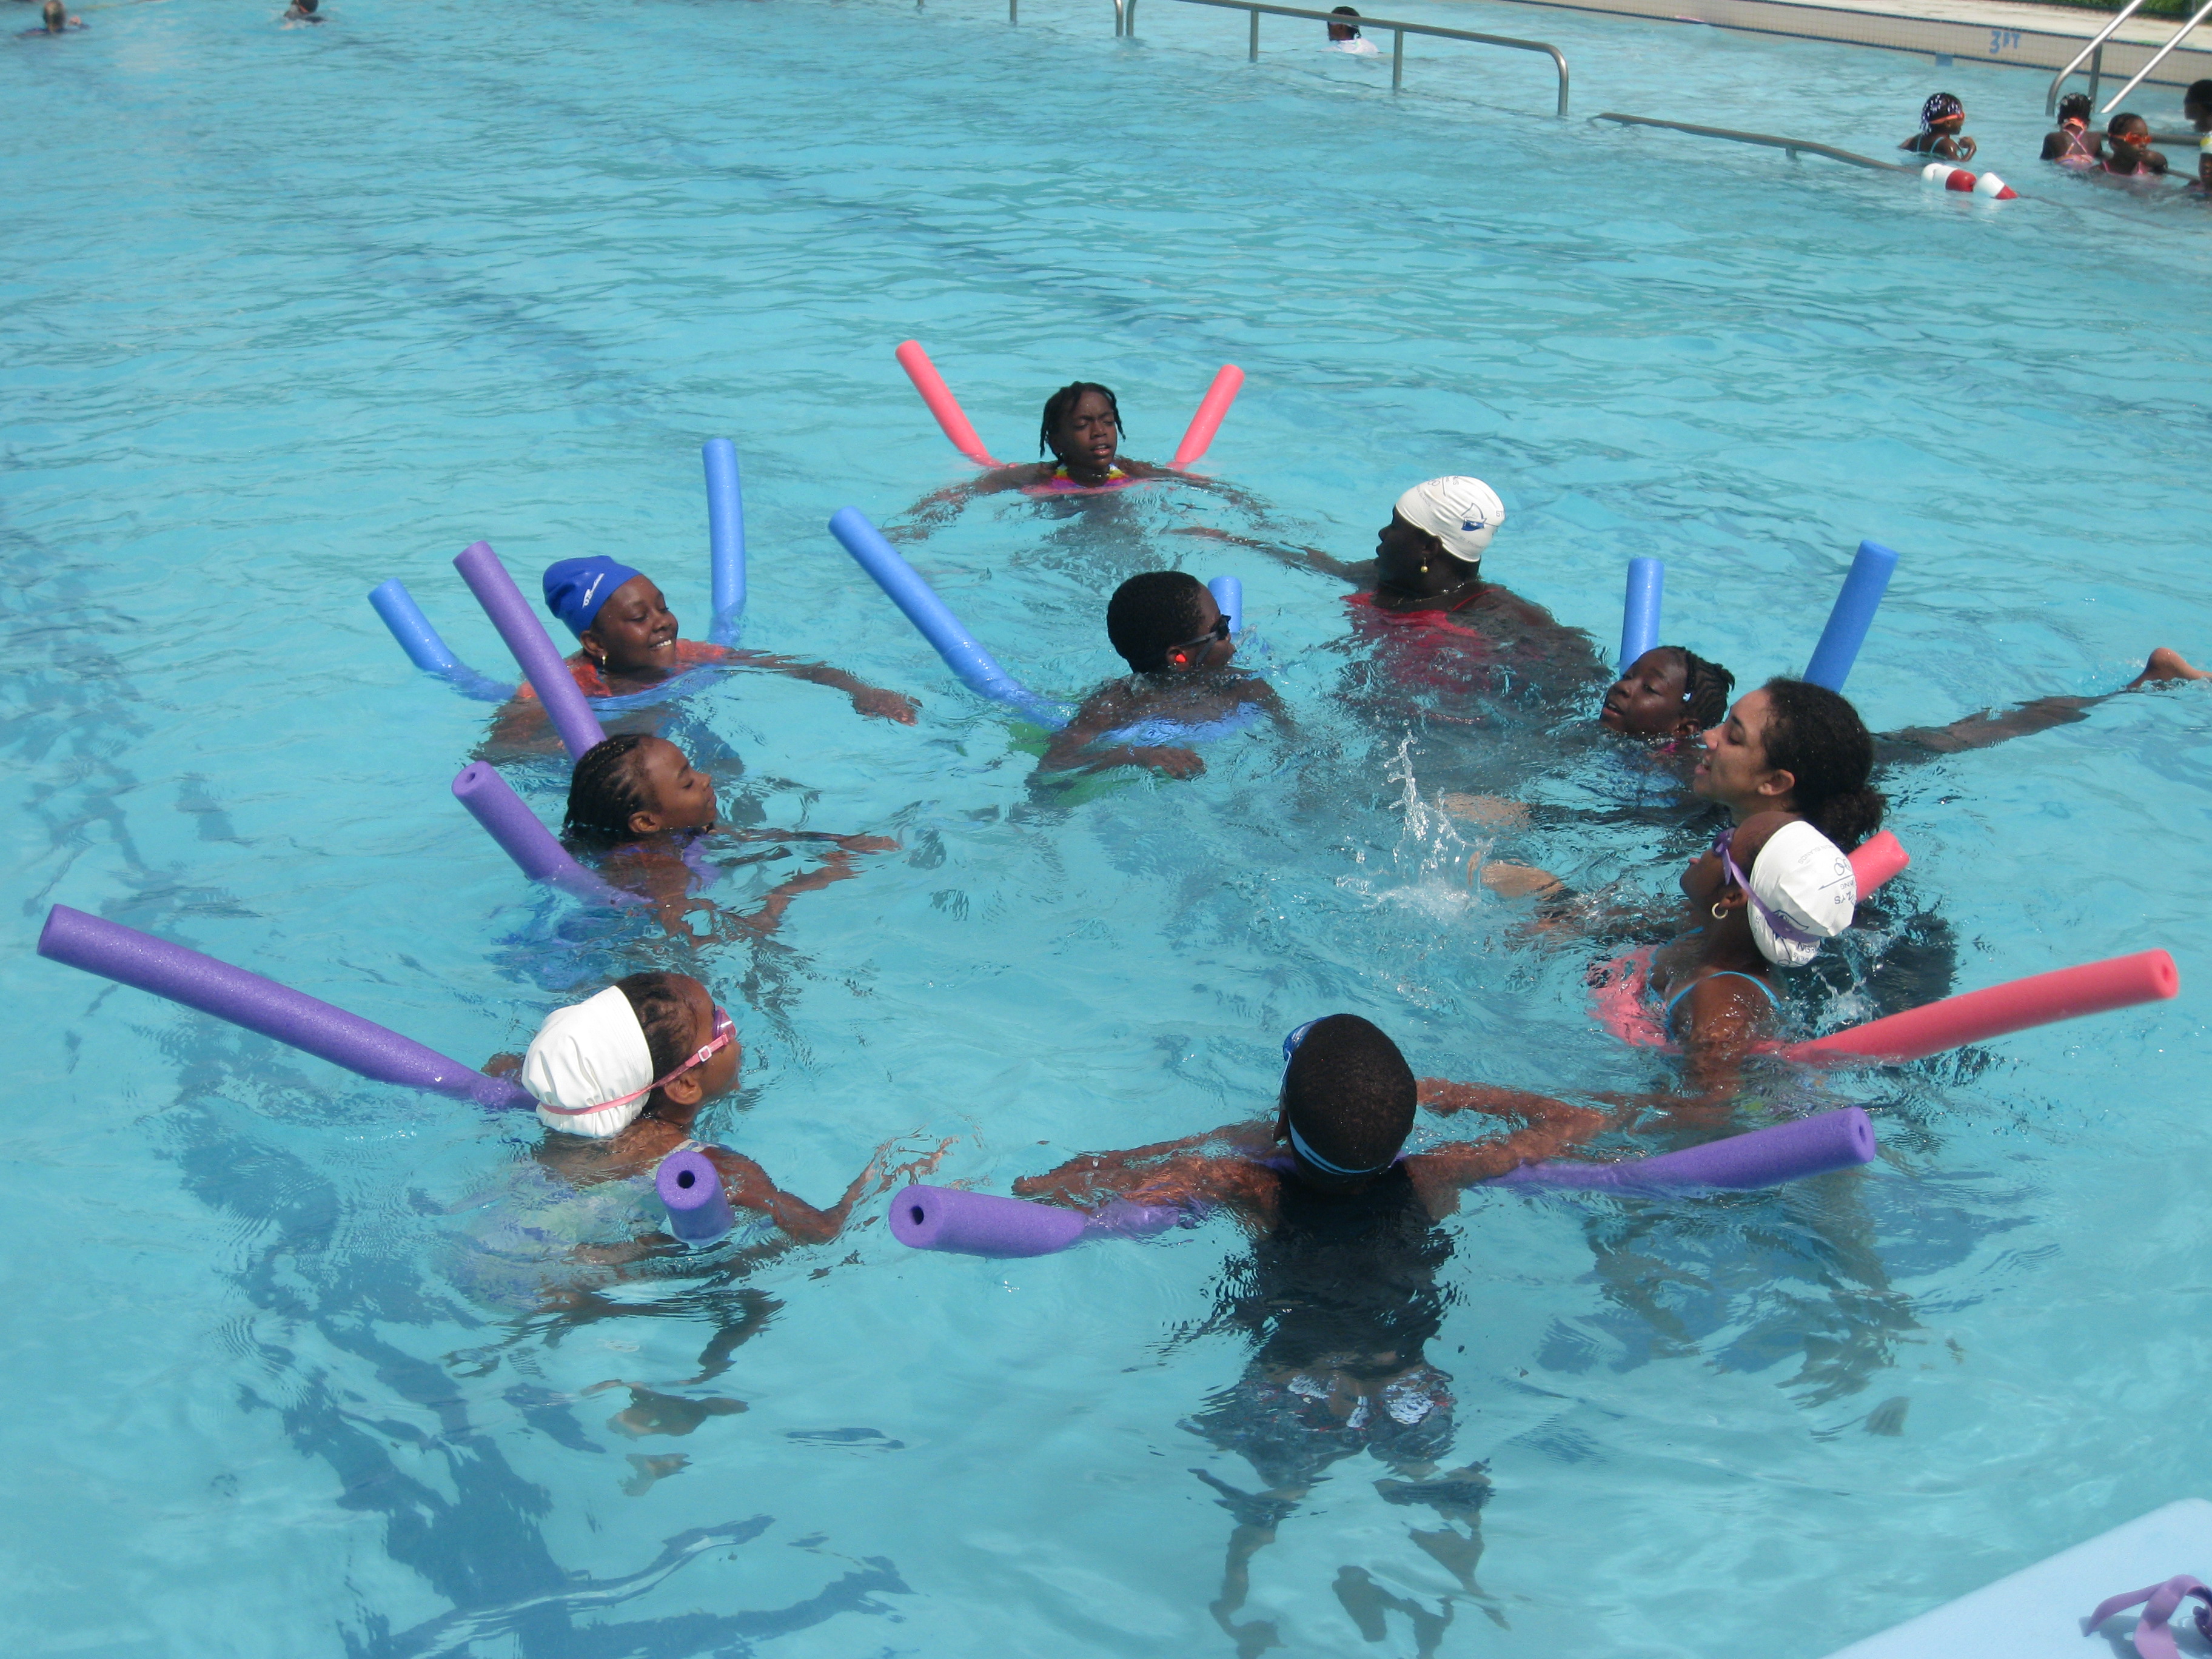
(1257, 1516)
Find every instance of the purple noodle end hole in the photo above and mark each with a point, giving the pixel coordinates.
(686, 1178)
(916, 1212)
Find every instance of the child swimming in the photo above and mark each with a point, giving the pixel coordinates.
(629, 642)
(620, 1077)
(1168, 628)
(640, 806)
(2073, 145)
(2128, 151)
(1082, 430)
(1942, 130)
(1338, 1294)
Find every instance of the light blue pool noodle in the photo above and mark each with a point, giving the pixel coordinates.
(726, 538)
(1853, 616)
(1639, 613)
(976, 666)
(1228, 593)
(423, 646)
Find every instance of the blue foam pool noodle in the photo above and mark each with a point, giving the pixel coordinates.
(1639, 612)
(1853, 614)
(423, 646)
(1228, 593)
(726, 538)
(976, 666)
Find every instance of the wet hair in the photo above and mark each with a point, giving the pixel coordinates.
(1818, 738)
(2124, 124)
(1062, 403)
(607, 788)
(663, 1015)
(2076, 106)
(1149, 613)
(1350, 1093)
(1706, 687)
(2200, 94)
(306, 5)
(53, 12)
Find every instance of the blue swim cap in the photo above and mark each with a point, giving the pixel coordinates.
(576, 588)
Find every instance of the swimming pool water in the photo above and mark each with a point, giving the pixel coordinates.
(286, 313)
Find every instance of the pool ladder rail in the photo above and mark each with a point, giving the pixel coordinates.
(1125, 25)
(1793, 145)
(2157, 57)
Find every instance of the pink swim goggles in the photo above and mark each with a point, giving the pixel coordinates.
(726, 1033)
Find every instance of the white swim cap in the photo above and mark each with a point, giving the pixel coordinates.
(1463, 513)
(1802, 891)
(584, 1056)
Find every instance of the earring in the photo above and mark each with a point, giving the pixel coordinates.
(1425, 570)
(1720, 911)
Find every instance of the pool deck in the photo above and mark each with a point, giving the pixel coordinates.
(1977, 31)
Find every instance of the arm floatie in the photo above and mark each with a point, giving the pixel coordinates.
(1760, 1158)
(980, 1224)
(533, 648)
(130, 957)
(2095, 987)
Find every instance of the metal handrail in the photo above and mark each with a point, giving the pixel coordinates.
(1399, 31)
(2204, 11)
(1793, 145)
(2096, 48)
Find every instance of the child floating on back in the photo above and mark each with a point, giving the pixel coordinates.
(1942, 130)
(639, 804)
(1168, 628)
(629, 642)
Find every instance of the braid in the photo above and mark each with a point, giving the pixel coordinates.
(1064, 400)
(1706, 689)
(605, 791)
(658, 1002)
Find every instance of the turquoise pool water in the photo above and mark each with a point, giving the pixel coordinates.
(286, 313)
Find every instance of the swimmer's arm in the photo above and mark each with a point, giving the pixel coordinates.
(868, 698)
(1363, 574)
(1443, 1096)
(1991, 726)
(1111, 1175)
(1070, 749)
(748, 1188)
(1442, 1173)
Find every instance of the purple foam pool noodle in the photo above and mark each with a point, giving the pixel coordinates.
(511, 823)
(691, 1186)
(979, 1224)
(533, 648)
(1762, 1158)
(130, 957)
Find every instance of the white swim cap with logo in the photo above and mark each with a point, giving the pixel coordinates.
(1802, 890)
(585, 1056)
(1463, 513)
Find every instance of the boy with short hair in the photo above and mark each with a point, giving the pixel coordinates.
(1168, 628)
(1338, 1295)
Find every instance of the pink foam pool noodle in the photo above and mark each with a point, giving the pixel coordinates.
(1212, 410)
(1874, 861)
(2095, 987)
(942, 404)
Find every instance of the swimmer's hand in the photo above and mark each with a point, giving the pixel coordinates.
(867, 844)
(1514, 881)
(1169, 762)
(502, 1065)
(883, 705)
(1494, 811)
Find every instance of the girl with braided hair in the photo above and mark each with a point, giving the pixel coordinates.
(640, 806)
